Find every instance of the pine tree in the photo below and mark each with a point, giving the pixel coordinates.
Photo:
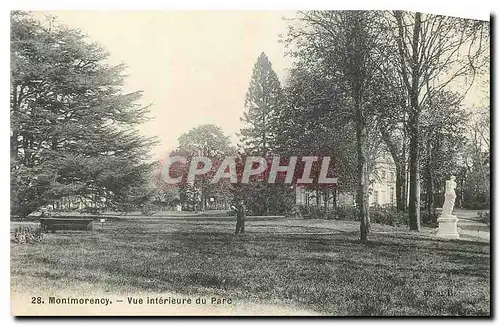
(263, 101)
(72, 127)
(263, 105)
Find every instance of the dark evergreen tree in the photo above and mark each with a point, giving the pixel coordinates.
(263, 105)
(72, 126)
(263, 101)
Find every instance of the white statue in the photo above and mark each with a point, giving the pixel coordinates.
(449, 196)
(447, 222)
(451, 185)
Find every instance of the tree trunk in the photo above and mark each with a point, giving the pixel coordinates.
(413, 120)
(334, 203)
(430, 190)
(404, 177)
(414, 204)
(429, 196)
(14, 143)
(400, 200)
(399, 163)
(462, 184)
(362, 171)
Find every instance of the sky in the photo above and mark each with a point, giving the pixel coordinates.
(194, 67)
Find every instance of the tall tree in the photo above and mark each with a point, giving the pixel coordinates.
(72, 127)
(314, 123)
(208, 141)
(390, 119)
(433, 51)
(476, 165)
(344, 42)
(443, 138)
(263, 101)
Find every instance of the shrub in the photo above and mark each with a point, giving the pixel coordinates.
(476, 205)
(319, 213)
(400, 218)
(380, 215)
(347, 213)
(294, 212)
(428, 219)
(388, 216)
(25, 234)
(476, 200)
(90, 210)
(148, 209)
(484, 217)
(314, 212)
(310, 212)
(304, 211)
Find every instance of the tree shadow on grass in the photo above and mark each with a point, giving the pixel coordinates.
(405, 269)
(399, 242)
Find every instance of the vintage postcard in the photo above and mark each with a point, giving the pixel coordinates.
(249, 163)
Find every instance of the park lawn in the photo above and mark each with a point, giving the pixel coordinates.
(316, 265)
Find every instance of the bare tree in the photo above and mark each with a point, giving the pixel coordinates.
(343, 43)
(433, 52)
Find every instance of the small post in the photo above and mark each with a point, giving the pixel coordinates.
(102, 222)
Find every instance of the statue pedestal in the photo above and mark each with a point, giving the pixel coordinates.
(448, 227)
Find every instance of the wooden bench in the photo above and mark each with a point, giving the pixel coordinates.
(65, 223)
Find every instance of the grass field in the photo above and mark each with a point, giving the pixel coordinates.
(316, 265)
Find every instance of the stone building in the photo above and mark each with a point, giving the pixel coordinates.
(382, 189)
